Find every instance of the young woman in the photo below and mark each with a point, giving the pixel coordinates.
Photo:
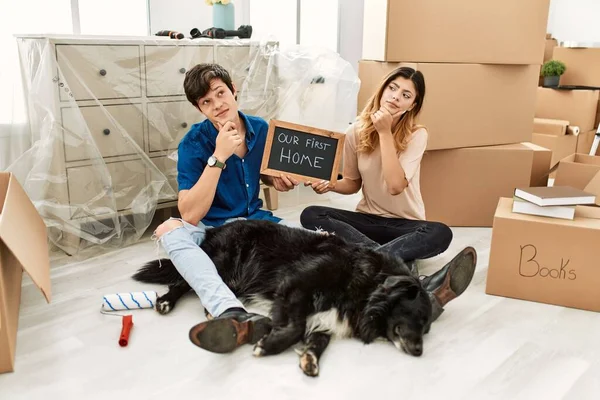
(382, 154)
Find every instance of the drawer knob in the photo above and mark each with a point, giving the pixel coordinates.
(184, 124)
(182, 70)
(103, 72)
(106, 131)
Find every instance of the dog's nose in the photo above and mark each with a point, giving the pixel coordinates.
(418, 350)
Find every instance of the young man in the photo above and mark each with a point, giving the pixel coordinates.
(219, 177)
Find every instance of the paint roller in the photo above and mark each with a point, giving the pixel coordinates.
(127, 301)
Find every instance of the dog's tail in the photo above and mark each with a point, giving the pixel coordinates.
(158, 271)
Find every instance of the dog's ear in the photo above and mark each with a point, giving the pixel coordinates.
(372, 321)
(408, 286)
(392, 281)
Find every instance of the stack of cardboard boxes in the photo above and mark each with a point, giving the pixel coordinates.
(581, 107)
(481, 62)
(576, 108)
(545, 259)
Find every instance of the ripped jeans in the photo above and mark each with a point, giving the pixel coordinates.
(182, 245)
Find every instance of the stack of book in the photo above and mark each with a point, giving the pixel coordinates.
(551, 201)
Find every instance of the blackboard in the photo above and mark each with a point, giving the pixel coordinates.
(302, 152)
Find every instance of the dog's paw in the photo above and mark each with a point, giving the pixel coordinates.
(163, 306)
(309, 364)
(259, 351)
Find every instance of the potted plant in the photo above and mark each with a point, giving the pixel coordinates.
(223, 14)
(551, 71)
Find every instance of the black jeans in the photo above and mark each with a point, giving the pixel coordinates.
(407, 239)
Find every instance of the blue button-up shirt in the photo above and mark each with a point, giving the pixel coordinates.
(239, 185)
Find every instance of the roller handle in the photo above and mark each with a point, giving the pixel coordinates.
(127, 325)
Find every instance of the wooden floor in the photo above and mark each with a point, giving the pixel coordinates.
(482, 347)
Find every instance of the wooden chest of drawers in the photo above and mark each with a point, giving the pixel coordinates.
(110, 112)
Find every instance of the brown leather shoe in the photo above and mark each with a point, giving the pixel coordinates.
(451, 281)
(231, 329)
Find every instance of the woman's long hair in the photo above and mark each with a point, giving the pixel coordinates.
(368, 136)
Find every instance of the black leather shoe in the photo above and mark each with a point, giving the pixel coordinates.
(451, 281)
(231, 329)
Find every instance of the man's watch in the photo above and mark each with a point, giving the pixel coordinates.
(213, 162)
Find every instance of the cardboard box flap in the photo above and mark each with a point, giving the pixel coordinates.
(577, 170)
(587, 212)
(585, 159)
(594, 187)
(569, 158)
(29, 246)
(535, 147)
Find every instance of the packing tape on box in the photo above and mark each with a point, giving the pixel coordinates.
(129, 301)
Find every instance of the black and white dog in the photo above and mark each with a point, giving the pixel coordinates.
(316, 285)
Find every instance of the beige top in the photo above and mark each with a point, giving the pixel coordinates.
(368, 167)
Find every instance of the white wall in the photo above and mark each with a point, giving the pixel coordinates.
(575, 20)
(351, 30)
(183, 15)
(350, 34)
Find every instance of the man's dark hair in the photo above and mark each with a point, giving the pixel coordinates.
(197, 81)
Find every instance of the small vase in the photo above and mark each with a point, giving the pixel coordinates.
(551, 81)
(224, 16)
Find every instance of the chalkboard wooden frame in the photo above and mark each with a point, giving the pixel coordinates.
(273, 124)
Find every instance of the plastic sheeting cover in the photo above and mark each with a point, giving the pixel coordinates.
(106, 116)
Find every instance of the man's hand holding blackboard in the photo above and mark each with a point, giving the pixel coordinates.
(284, 183)
(228, 140)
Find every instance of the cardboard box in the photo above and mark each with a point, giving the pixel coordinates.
(23, 246)
(576, 106)
(561, 146)
(459, 31)
(577, 170)
(572, 178)
(585, 141)
(583, 65)
(550, 44)
(541, 164)
(556, 127)
(528, 262)
(461, 187)
(466, 105)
